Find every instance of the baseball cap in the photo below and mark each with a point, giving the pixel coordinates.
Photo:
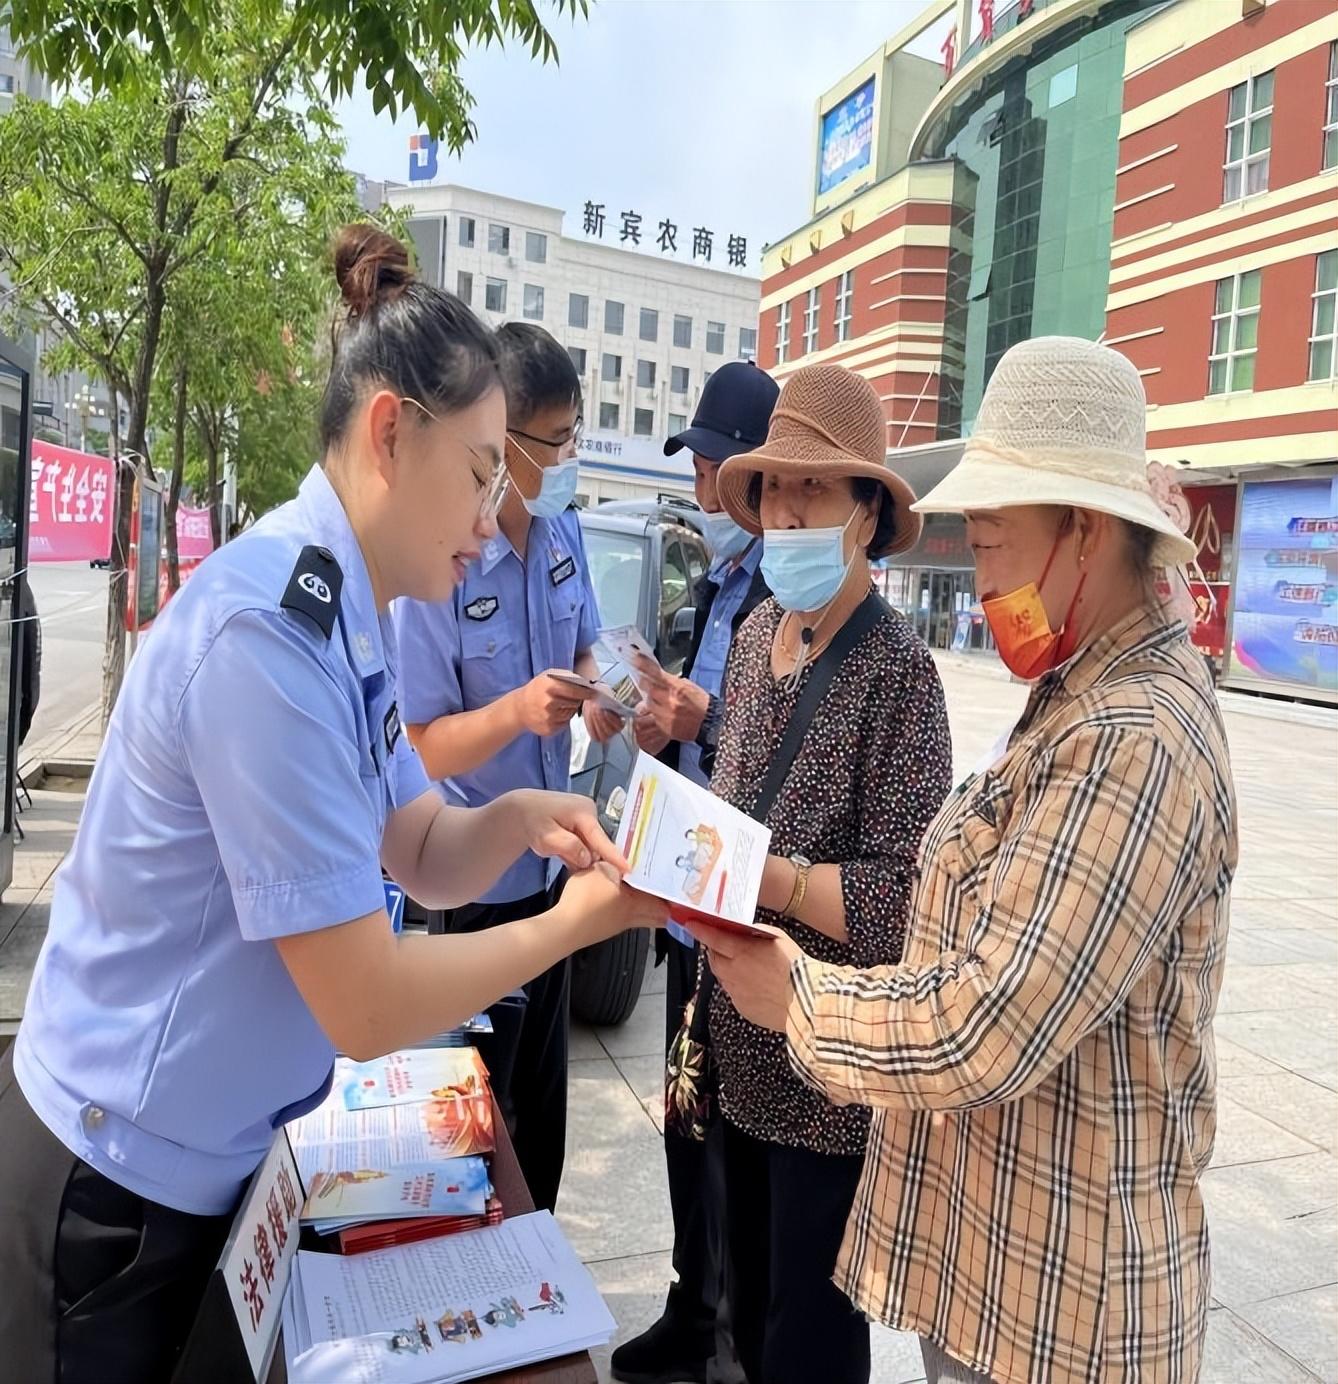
(732, 415)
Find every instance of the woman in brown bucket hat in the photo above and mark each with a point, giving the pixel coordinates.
(847, 795)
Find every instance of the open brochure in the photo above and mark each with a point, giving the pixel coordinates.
(444, 1310)
(688, 846)
(412, 1074)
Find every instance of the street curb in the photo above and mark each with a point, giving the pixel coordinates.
(39, 758)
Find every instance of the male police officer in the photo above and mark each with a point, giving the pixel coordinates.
(485, 714)
(681, 723)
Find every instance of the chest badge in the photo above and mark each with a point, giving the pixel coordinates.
(562, 571)
(481, 608)
(392, 728)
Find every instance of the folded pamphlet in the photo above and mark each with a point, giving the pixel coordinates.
(412, 1074)
(342, 1197)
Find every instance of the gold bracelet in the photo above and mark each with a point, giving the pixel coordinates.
(801, 869)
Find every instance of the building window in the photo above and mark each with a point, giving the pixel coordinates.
(467, 232)
(650, 325)
(1331, 110)
(534, 302)
(577, 354)
(1324, 320)
(1249, 136)
(678, 379)
(613, 318)
(6, 84)
(494, 295)
(499, 239)
(678, 423)
(578, 310)
(783, 331)
(643, 422)
(845, 297)
(536, 247)
(645, 374)
(683, 332)
(613, 368)
(715, 338)
(464, 287)
(608, 416)
(747, 343)
(811, 322)
(1235, 334)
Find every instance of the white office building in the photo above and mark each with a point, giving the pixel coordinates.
(644, 330)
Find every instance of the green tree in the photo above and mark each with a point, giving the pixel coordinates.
(201, 123)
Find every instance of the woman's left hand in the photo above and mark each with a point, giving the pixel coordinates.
(755, 971)
(565, 826)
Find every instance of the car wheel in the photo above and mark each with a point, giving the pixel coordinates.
(606, 979)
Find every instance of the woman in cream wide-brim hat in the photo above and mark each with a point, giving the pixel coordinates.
(1065, 949)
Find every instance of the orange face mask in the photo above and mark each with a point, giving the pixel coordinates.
(1021, 628)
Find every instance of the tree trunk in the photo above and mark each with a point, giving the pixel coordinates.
(174, 486)
(204, 422)
(113, 663)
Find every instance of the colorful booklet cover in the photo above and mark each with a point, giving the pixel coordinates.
(450, 1187)
(686, 845)
(620, 644)
(412, 1074)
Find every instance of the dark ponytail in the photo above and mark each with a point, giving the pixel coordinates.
(400, 333)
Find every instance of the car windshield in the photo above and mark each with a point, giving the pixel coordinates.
(616, 561)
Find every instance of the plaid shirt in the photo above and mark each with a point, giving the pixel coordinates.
(1057, 994)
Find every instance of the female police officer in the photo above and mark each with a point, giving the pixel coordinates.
(219, 928)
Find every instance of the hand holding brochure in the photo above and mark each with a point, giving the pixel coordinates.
(688, 846)
(595, 692)
(624, 643)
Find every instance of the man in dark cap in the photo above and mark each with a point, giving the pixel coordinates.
(680, 722)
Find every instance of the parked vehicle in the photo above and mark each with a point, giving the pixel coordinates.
(646, 558)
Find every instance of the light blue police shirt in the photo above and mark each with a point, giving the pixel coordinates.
(708, 668)
(509, 620)
(241, 795)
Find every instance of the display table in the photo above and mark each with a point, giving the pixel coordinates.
(509, 1183)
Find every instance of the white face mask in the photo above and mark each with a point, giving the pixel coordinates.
(806, 568)
(725, 538)
(557, 485)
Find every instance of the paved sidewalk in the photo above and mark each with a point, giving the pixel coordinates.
(1273, 1190)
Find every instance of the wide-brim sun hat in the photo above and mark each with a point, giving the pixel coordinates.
(1063, 422)
(828, 421)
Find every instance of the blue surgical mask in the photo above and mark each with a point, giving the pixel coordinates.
(724, 537)
(557, 485)
(805, 568)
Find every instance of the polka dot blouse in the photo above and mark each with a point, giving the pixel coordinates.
(872, 771)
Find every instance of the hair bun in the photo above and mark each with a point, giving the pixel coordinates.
(370, 267)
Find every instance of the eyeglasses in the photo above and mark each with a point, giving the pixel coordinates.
(573, 440)
(491, 491)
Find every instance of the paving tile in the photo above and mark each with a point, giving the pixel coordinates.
(584, 1044)
(1234, 1060)
(1243, 1136)
(641, 1035)
(1306, 1324)
(1305, 1108)
(645, 1075)
(1249, 988)
(18, 956)
(1237, 1353)
(1273, 1226)
(1307, 1040)
(656, 976)
(615, 1198)
(1258, 947)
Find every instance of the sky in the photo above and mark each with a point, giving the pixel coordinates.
(700, 111)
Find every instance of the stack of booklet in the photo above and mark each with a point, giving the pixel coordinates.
(397, 1152)
(443, 1310)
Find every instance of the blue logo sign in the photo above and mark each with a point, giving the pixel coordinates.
(422, 159)
(395, 897)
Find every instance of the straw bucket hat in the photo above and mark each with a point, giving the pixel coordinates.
(828, 421)
(1063, 422)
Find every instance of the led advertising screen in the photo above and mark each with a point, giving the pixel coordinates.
(1285, 628)
(845, 142)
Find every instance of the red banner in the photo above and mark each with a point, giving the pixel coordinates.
(70, 505)
(195, 536)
